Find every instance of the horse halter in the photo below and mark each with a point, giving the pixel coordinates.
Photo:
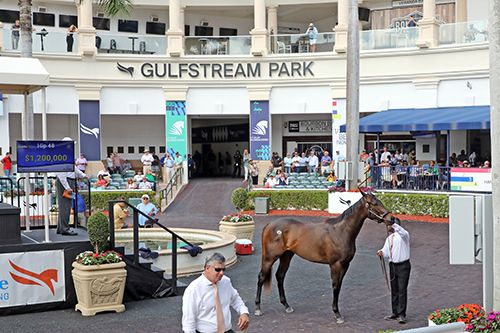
(379, 217)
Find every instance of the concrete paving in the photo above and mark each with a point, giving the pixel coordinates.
(364, 299)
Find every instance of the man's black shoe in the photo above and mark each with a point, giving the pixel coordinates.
(69, 233)
(391, 317)
(402, 319)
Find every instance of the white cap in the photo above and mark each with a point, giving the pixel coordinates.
(145, 196)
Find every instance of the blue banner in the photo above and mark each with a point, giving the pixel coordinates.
(260, 145)
(90, 130)
(176, 128)
(45, 156)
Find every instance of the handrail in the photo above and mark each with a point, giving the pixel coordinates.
(194, 250)
(174, 180)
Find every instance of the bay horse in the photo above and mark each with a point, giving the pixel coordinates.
(331, 242)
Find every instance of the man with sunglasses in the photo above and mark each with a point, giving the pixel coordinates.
(207, 300)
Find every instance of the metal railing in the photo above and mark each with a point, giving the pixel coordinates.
(174, 181)
(6, 189)
(299, 43)
(151, 222)
(430, 178)
(218, 45)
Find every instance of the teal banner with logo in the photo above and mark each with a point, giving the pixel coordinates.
(176, 128)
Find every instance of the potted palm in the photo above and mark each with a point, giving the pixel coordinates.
(99, 276)
(240, 225)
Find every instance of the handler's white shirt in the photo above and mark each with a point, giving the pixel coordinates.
(397, 245)
(198, 305)
(63, 177)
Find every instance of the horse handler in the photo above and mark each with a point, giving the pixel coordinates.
(397, 250)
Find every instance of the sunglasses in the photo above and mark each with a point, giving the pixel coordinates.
(219, 269)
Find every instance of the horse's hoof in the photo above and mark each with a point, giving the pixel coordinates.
(340, 320)
(258, 313)
(289, 309)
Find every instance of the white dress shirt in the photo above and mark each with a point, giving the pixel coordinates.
(198, 305)
(397, 245)
(63, 177)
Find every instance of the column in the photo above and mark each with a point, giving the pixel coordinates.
(261, 132)
(460, 11)
(86, 31)
(259, 32)
(429, 27)
(272, 26)
(342, 26)
(1, 36)
(175, 41)
(4, 128)
(181, 19)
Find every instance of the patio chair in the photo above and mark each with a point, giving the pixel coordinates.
(283, 48)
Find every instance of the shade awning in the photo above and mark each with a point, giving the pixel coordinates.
(432, 119)
(22, 75)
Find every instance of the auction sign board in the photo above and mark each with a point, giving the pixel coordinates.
(471, 179)
(45, 156)
(32, 278)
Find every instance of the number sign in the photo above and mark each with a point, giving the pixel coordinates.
(45, 156)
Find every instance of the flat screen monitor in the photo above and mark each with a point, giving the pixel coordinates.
(65, 21)
(155, 28)
(228, 32)
(203, 31)
(9, 16)
(46, 19)
(45, 156)
(101, 23)
(128, 26)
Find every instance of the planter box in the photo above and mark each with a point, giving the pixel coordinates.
(99, 288)
(336, 201)
(242, 230)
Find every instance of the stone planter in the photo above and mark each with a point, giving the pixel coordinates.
(430, 323)
(99, 288)
(53, 218)
(242, 230)
(336, 201)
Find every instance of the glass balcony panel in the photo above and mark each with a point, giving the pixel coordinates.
(53, 42)
(388, 38)
(299, 43)
(217, 45)
(463, 33)
(137, 44)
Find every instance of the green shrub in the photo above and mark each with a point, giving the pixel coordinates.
(100, 198)
(283, 199)
(239, 198)
(98, 230)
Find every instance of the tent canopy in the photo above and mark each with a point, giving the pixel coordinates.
(22, 75)
(432, 119)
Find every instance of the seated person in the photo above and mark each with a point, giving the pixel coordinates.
(282, 179)
(126, 166)
(270, 171)
(131, 185)
(270, 182)
(147, 208)
(331, 177)
(105, 174)
(120, 212)
(150, 176)
(145, 185)
(101, 182)
(81, 210)
(138, 177)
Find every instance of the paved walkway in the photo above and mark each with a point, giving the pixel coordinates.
(364, 299)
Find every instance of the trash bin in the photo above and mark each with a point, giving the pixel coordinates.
(10, 224)
(261, 205)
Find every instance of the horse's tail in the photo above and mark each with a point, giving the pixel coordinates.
(266, 274)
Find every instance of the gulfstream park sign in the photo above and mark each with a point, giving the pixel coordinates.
(187, 70)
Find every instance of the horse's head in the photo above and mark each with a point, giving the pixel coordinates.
(376, 210)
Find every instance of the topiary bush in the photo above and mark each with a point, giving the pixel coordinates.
(239, 198)
(98, 230)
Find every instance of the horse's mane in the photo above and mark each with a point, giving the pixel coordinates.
(348, 212)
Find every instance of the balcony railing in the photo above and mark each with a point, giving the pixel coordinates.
(217, 45)
(463, 33)
(388, 38)
(137, 44)
(299, 43)
(43, 41)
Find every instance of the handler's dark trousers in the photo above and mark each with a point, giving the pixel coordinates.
(64, 207)
(399, 276)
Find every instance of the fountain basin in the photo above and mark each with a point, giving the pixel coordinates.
(211, 241)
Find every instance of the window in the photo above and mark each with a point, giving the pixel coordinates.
(65, 21)
(120, 150)
(162, 149)
(128, 26)
(101, 23)
(141, 149)
(109, 151)
(46, 19)
(426, 148)
(228, 32)
(152, 149)
(187, 29)
(155, 28)
(203, 31)
(9, 16)
(131, 149)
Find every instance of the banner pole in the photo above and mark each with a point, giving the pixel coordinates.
(45, 177)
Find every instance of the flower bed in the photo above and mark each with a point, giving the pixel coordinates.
(235, 218)
(472, 315)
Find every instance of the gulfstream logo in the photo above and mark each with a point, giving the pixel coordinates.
(228, 70)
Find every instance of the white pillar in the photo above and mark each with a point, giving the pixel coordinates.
(175, 41)
(461, 10)
(341, 27)
(45, 178)
(272, 25)
(181, 18)
(259, 32)
(429, 27)
(1, 36)
(4, 129)
(86, 31)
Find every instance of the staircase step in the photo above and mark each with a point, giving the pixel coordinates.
(157, 270)
(143, 262)
(120, 250)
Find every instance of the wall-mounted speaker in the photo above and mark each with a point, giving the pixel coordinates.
(364, 14)
(204, 23)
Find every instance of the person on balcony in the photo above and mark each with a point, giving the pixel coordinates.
(16, 27)
(69, 37)
(312, 33)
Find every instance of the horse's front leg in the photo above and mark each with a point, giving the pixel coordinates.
(337, 272)
(280, 277)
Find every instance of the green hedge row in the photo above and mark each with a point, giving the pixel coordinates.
(410, 204)
(100, 198)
